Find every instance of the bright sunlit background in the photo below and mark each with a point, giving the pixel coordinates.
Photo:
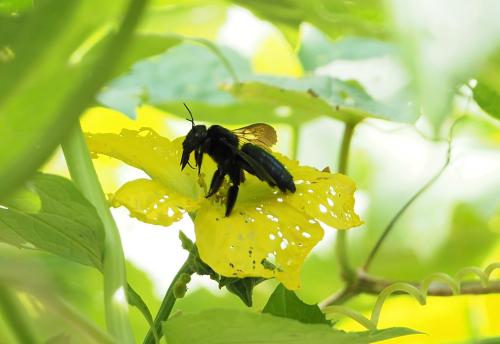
(456, 223)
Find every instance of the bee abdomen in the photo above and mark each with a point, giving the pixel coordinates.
(275, 169)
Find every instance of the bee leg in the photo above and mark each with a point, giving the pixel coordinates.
(198, 157)
(232, 195)
(216, 182)
(235, 174)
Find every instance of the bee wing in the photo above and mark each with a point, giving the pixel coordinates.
(259, 134)
(252, 164)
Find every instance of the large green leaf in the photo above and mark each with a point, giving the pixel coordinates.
(55, 57)
(196, 75)
(487, 91)
(234, 326)
(15, 6)
(487, 97)
(142, 46)
(300, 100)
(317, 49)
(336, 18)
(53, 217)
(284, 303)
(185, 73)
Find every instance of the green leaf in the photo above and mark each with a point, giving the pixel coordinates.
(336, 18)
(53, 59)
(142, 46)
(316, 49)
(487, 97)
(241, 287)
(135, 300)
(65, 223)
(15, 6)
(284, 303)
(186, 73)
(195, 75)
(234, 326)
(299, 100)
(24, 199)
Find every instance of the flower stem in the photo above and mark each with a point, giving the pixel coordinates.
(167, 304)
(341, 244)
(15, 316)
(115, 283)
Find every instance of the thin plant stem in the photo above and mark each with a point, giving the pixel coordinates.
(115, 282)
(16, 317)
(167, 304)
(341, 244)
(403, 209)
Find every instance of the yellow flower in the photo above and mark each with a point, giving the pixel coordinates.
(268, 234)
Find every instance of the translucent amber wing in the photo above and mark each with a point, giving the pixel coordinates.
(260, 134)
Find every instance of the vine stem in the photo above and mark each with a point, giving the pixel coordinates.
(341, 244)
(15, 316)
(403, 209)
(167, 304)
(85, 178)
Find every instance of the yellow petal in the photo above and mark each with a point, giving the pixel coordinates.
(151, 202)
(252, 240)
(155, 155)
(323, 196)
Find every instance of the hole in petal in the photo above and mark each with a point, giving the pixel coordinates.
(306, 235)
(322, 208)
(249, 219)
(284, 244)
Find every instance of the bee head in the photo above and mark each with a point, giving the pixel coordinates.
(193, 141)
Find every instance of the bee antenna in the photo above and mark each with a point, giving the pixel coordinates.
(192, 119)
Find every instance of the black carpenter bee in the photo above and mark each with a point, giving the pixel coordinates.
(234, 152)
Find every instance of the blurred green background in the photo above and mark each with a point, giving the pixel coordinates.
(407, 69)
